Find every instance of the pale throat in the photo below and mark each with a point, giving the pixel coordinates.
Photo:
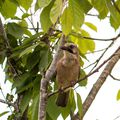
(69, 59)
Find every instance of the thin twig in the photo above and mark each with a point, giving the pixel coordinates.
(89, 14)
(97, 39)
(118, 79)
(8, 103)
(5, 100)
(98, 60)
(96, 51)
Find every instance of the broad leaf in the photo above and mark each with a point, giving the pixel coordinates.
(33, 59)
(92, 26)
(45, 17)
(103, 10)
(114, 15)
(52, 110)
(77, 13)
(33, 110)
(86, 6)
(8, 9)
(25, 100)
(79, 104)
(25, 3)
(45, 58)
(67, 21)
(82, 75)
(28, 50)
(56, 10)
(43, 3)
(84, 44)
(71, 105)
(15, 30)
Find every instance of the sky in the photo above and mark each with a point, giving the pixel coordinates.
(105, 105)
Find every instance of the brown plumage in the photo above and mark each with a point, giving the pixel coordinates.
(67, 72)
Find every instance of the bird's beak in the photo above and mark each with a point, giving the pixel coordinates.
(66, 48)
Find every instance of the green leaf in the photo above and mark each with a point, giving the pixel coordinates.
(33, 59)
(3, 113)
(92, 26)
(84, 45)
(86, 6)
(24, 26)
(15, 30)
(71, 105)
(45, 17)
(2, 57)
(33, 110)
(45, 58)
(23, 23)
(25, 3)
(114, 15)
(67, 21)
(43, 3)
(82, 75)
(90, 44)
(32, 38)
(25, 15)
(77, 13)
(118, 95)
(28, 50)
(25, 101)
(56, 10)
(48, 117)
(12, 41)
(22, 79)
(8, 9)
(103, 10)
(52, 109)
(79, 104)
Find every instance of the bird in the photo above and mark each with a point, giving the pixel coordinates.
(68, 70)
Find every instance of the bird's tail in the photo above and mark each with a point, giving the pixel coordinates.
(62, 99)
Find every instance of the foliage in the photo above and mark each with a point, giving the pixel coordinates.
(32, 50)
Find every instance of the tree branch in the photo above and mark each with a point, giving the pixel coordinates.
(45, 81)
(102, 78)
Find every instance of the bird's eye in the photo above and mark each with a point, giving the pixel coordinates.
(72, 46)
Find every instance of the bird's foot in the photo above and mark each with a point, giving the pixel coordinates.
(61, 90)
(72, 83)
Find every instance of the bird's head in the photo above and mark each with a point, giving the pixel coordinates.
(70, 49)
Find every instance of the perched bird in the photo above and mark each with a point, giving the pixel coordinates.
(67, 71)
